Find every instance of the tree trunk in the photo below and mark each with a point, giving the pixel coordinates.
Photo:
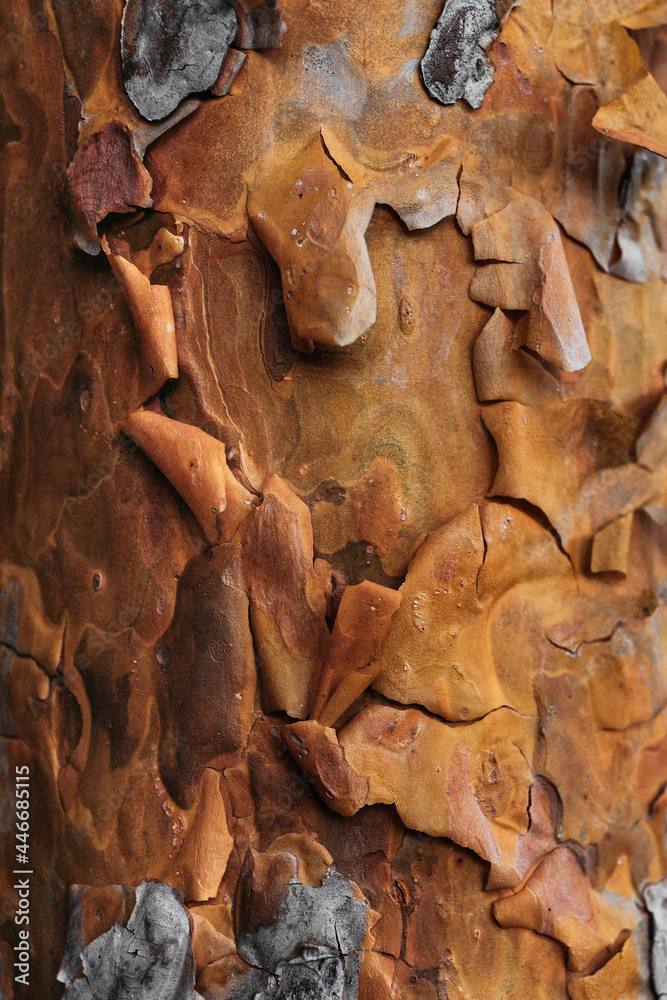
(334, 499)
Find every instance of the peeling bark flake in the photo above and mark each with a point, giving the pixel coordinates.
(172, 49)
(150, 959)
(456, 64)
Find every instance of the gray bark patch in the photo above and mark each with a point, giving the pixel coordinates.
(314, 975)
(655, 897)
(310, 950)
(172, 48)
(75, 943)
(150, 959)
(328, 917)
(456, 64)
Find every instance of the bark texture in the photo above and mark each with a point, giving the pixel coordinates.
(333, 567)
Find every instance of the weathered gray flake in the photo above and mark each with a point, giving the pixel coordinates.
(310, 950)
(316, 977)
(639, 236)
(456, 64)
(172, 48)
(75, 941)
(328, 916)
(150, 959)
(655, 898)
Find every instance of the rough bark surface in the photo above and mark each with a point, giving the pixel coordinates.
(333, 567)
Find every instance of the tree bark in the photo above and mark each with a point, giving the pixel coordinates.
(334, 497)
